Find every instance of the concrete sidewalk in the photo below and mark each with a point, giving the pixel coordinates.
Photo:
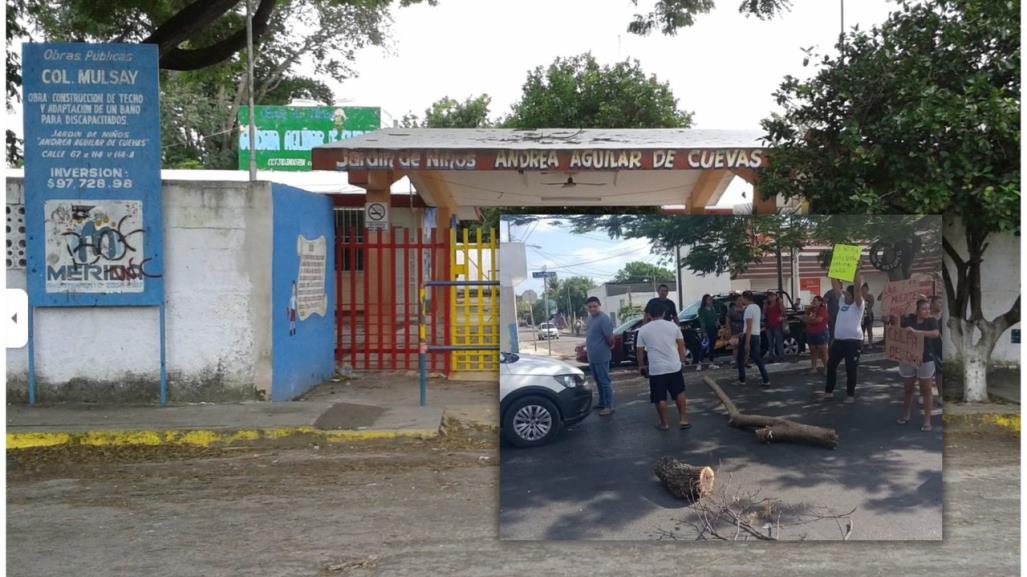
(215, 424)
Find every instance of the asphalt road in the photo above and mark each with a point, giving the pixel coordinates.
(595, 481)
(424, 509)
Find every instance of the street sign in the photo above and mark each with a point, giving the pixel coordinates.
(543, 274)
(376, 216)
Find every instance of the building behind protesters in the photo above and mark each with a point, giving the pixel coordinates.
(847, 343)
(923, 323)
(598, 342)
(661, 356)
(749, 342)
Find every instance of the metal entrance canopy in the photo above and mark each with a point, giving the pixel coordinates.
(466, 168)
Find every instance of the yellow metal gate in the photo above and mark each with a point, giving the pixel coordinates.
(474, 310)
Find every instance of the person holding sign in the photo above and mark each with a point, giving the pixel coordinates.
(923, 324)
(848, 338)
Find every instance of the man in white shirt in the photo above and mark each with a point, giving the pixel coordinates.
(661, 354)
(848, 339)
(749, 342)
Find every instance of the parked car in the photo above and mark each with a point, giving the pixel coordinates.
(688, 319)
(619, 350)
(547, 331)
(538, 396)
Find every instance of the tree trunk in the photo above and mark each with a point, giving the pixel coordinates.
(684, 481)
(770, 429)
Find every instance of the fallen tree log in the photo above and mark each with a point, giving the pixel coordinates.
(684, 481)
(774, 429)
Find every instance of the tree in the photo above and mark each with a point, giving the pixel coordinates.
(577, 92)
(639, 271)
(199, 105)
(451, 113)
(918, 115)
(571, 293)
(669, 15)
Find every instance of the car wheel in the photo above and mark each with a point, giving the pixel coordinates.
(530, 422)
(791, 346)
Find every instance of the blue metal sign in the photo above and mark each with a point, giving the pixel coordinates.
(543, 274)
(92, 175)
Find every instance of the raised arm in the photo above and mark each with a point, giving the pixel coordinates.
(857, 287)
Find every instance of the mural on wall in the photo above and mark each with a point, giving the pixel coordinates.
(94, 246)
(309, 288)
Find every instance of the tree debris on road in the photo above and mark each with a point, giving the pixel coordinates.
(684, 481)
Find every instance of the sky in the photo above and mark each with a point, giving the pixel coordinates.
(549, 245)
(724, 68)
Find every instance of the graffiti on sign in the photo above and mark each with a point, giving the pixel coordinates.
(903, 346)
(95, 246)
(310, 283)
(598, 159)
(899, 297)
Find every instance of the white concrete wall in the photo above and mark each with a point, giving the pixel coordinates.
(217, 254)
(1000, 282)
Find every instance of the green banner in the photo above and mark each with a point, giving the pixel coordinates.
(285, 134)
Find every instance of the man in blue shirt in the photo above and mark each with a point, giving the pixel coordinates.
(598, 341)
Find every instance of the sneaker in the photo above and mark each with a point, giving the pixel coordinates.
(698, 368)
(713, 366)
(849, 399)
(605, 412)
(740, 383)
(765, 384)
(822, 396)
(598, 408)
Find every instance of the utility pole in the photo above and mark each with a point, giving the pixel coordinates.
(249, 90)
(545, 299)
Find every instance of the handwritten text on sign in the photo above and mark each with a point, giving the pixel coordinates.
(899, 297)
(844, 261)
(903, 346)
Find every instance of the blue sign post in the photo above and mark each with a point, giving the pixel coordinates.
(94, 229)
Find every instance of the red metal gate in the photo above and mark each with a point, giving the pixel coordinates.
(378, 274)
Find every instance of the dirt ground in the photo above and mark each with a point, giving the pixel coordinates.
(419, 508)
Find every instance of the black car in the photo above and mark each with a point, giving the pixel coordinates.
(688, 319)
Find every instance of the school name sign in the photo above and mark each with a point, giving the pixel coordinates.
(590, 159)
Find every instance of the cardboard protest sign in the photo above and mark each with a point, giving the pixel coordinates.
(844, 261)
(899, 297)
(903, 346)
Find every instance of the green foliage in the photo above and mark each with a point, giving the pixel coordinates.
(918, 115)
(570, 293)
(451, 113)
(628, 311)
(720, 244)
(639, 271)
(577, 92)
(199, 107)
(670, 15)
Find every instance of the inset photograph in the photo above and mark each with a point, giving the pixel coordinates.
(740, 378)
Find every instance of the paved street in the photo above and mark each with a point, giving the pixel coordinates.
(596, 481)
(424, 508)
(563, 348)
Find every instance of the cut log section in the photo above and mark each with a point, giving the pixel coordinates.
(684, 481)
(774, 429)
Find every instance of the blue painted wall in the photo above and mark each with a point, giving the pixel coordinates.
(302, 360)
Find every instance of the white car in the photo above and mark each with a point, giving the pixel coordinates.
(538, 396)
(548, 331)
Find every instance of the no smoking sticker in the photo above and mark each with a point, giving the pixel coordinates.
(376, 216)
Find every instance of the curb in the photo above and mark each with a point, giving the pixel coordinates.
(201, 437)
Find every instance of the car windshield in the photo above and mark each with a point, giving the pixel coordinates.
(689, 311)
(626, 325)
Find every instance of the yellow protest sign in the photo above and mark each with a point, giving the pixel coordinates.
(844, 260)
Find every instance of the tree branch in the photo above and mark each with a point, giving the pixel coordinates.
(957, 300)
(188, 21)
(194, 59)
